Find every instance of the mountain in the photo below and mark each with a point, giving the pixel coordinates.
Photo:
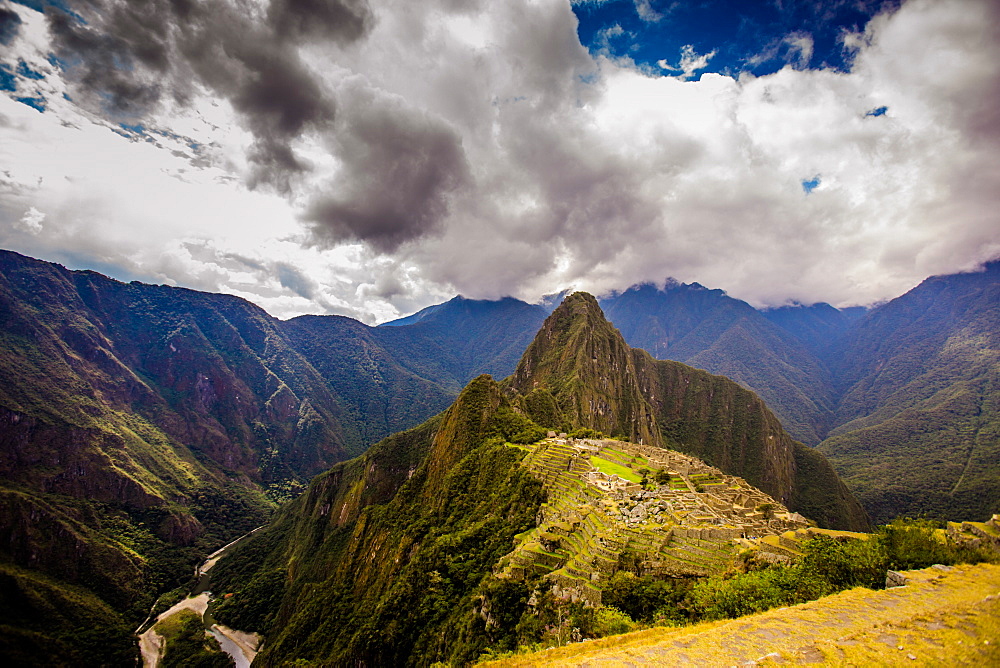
(395, 558)
(918, 421)
(817, 326)
(472, 336)
(709, 330)
(381, 559)
(141, 425)
(381, 388)
(581, 363)
(392, 377)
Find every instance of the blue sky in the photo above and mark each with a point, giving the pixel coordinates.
(744, 35)
(372, 157)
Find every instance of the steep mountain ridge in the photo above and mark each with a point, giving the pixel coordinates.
(597, 381)
(383, 559)
(709, 330)
(394, 558)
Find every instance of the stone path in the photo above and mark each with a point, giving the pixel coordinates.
(940, 618)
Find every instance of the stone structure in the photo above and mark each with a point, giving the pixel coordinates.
(594, 523)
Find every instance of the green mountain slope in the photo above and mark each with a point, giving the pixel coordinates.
(398, 557)
(709, 330)
(919, 419)
(597, 381)
(382, 389)
(383, 559)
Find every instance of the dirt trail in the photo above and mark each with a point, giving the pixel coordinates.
(941, 617)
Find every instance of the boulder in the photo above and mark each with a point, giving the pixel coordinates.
(895, 579)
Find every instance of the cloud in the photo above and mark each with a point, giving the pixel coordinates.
(400, 166)
(644, 8)
(800, 49)
(10, 25)
(690, 62)
(31, 221)
(404, 163)
(129, 61)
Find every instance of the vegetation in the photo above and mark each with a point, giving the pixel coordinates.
(611, 468)
(187, 643)
(827, 565)
(66, 624)
(920, 378)
(582, 362)
(417, 558)
(939, 618)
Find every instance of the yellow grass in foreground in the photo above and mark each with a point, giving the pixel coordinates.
(941, 618)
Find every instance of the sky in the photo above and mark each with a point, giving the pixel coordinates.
(371, 157)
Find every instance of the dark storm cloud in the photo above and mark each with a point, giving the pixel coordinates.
(295, 280)
(105, 65)
(10, 25)
(128, 57)
(401, 166)
(342, 21)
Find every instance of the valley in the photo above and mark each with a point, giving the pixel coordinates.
(144, 427)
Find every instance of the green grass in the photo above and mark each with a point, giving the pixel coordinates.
(605, 466)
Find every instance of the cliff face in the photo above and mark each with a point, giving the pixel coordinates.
(582, 360)
(709, 330)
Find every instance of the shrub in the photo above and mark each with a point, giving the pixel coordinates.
(644, 598)
(846, 563)
(610, 621)
(585, 432)
(756, 591)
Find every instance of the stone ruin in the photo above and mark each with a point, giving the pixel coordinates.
(595, 523)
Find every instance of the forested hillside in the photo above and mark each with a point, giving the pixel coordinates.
(392, 558)
(918, 422)
(143, 426)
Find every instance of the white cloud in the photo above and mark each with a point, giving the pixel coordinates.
(690, 62)
(556, 169)
(644, 8)
(31, 221)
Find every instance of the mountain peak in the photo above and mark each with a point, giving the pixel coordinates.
(583, 361)
(580, 371)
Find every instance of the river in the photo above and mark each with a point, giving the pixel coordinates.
(240, 646)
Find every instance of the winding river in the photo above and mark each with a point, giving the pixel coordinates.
(239, 645)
